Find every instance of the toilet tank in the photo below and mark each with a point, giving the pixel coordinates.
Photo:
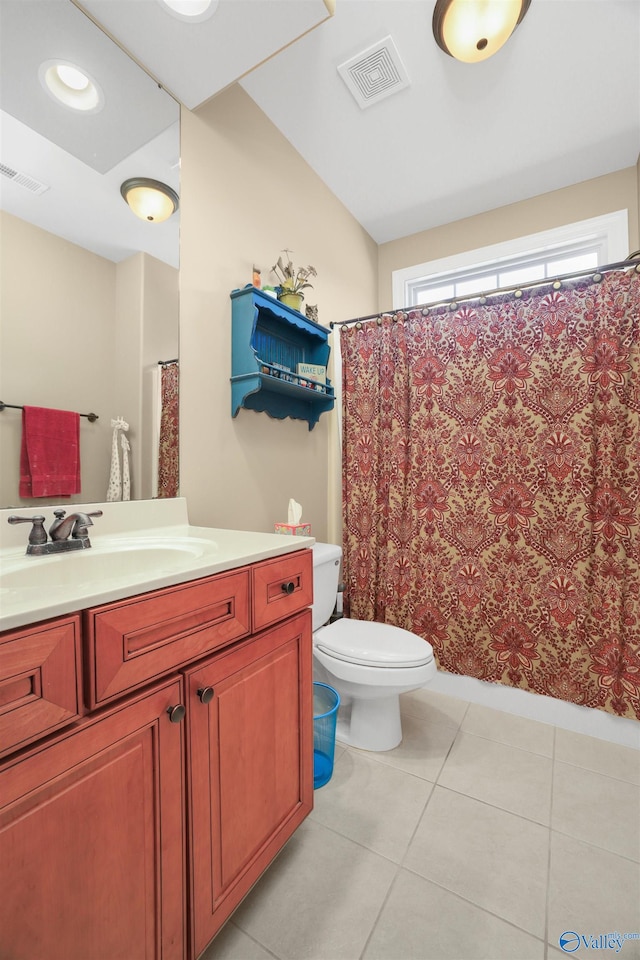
(326, 572)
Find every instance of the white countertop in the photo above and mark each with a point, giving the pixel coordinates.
(136, 546)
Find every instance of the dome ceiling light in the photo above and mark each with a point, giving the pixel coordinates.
(150, 200)
(71, 86)
(473, 30)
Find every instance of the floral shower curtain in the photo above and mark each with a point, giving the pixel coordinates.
(168, 443)
(491, 484)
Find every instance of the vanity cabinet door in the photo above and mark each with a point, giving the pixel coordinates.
(249, 765)
(92, 839)
(40, 689)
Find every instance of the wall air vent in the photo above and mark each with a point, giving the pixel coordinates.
(375, 73)
(23, 180)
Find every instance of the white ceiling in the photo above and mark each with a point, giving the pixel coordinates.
(560, 103)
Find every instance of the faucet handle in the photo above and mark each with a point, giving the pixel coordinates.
(83, 521)
(38, 533)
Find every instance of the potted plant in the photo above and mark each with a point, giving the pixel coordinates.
(292, 280)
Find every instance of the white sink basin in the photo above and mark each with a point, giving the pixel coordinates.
(110, 560)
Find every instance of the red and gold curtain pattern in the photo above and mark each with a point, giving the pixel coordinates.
(168, 445)
(491, 485)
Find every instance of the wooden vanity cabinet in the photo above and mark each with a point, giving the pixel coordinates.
(92, 838)
(249, 770)
(134, 833)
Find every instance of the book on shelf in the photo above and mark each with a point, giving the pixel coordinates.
(312, 371)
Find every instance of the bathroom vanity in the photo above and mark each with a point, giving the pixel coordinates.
(158, 746)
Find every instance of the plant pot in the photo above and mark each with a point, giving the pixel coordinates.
(293, 300)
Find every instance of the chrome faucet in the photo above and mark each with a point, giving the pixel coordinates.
(67, 533)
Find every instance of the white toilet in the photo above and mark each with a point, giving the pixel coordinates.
(369, 664)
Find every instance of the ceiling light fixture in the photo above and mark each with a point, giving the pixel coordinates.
(150, 199)
(473, 30)
(191, 10)
(71, 86)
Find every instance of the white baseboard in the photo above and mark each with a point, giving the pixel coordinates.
(569, 716)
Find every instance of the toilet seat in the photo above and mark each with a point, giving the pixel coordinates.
(373, 644)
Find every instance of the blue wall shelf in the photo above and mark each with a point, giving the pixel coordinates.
(268, 341)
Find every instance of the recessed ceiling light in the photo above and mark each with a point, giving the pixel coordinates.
(71, 86)
(191, 10)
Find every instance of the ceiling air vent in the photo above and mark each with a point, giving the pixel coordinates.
(23, 180)
(375, 73)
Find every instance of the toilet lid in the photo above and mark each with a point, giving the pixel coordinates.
(373, 644)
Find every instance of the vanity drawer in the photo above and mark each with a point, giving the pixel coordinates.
(40, 689)
(133, 641)
(281, 587)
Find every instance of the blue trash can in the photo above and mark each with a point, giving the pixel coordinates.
(326, 701)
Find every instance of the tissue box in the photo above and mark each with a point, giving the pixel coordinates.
(294, 529)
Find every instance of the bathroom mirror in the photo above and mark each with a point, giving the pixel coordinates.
(89, 293)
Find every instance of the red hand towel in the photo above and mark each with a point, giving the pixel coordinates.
(50, 453)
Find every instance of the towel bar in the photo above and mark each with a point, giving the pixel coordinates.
(91, 417)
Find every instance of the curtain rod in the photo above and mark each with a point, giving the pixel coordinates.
(164, 363)
(91, 417)
(555, 282)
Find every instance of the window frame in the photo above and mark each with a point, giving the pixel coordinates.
(608, 233)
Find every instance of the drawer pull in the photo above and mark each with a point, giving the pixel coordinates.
(205, 694)
(177, 713)
(288, 587)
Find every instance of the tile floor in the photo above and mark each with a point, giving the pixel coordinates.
(483, 835)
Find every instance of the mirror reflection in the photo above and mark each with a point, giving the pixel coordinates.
(89, 292)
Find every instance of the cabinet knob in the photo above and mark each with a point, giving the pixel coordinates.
(288, 587)
(205, 694)
(177, 713)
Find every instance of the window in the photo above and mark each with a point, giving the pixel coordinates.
(570, 249)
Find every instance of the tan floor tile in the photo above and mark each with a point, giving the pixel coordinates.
(495, 859)
(433, 706)
(421, 921)
(506, 728)
(319, 899)
(372, 803)
(592, 891)
(504, 776)
(611, 759)
(233, 944)
(597, 809)
(423, 750)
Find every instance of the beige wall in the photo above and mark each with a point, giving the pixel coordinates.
(592, 198)
(245, 195)
(74, 331)
(56, 350)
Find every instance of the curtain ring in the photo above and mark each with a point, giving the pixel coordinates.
(517, 294)
(597, 277)
(379, 321)
(557, 284)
